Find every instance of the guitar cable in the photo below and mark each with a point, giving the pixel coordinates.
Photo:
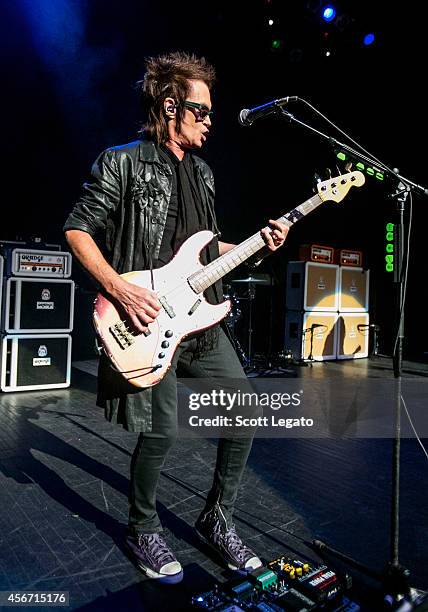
(150, 254)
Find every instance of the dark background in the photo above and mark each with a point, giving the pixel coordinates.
(69, 68)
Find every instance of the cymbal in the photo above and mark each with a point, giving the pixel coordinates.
(259, 280)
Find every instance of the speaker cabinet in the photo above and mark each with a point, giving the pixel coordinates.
(311, 335)
(312, 286)
(33, 305)
(35, 361)
(353, 289)
(352, 335)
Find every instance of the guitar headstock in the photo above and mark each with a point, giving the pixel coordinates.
(336, 188)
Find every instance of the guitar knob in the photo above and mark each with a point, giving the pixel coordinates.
(168, 333)
(161, 355)
(165, 344)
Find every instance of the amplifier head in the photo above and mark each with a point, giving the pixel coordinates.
(38, 263)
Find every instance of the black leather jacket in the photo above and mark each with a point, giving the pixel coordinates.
(127, 199)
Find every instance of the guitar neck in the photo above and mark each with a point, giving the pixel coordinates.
(224, 264)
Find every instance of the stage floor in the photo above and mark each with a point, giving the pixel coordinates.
(64, 484)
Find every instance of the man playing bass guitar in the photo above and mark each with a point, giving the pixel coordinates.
(145, 199)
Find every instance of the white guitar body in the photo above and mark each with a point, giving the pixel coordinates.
(144, 360)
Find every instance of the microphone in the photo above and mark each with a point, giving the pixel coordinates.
(313, 326)
(248, 115)
(361, 326)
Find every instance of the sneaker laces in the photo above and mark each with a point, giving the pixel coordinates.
(235, 545)
(156, 548)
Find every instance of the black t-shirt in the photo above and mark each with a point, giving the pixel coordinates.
(167, 245)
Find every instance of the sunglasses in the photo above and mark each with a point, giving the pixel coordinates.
(201, 111)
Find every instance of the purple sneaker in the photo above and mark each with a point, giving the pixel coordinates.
(152, 555)
(213, 530)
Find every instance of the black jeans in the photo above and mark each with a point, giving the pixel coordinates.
(152, 448)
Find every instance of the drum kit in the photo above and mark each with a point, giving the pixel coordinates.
(242, 293)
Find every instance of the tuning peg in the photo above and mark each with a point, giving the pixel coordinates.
(348, 166)
(317, 180)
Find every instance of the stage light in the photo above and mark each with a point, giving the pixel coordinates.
(328, 13)
(369, 39)
(270, 22)
(276, 44)
(389, 247)
(327, 53)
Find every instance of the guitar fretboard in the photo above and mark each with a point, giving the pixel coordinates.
(214, 271)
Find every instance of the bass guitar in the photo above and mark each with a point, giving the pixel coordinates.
(144, 358)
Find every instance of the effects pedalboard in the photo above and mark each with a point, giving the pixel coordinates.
(285, 584)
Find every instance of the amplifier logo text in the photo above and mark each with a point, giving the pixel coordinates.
(25, 257)
(41, 361)
(45, 306)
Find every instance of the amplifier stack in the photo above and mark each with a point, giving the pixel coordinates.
(37, 305)
(327, 306)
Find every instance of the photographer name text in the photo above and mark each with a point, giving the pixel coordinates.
(241, 421)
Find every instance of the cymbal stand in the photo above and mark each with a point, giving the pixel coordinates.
(238, 346)
(251, 294)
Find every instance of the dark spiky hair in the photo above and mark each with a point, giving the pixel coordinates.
(168, 76)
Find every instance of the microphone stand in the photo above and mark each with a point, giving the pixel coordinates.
(311, 330)
(394, 577)
(310, 359)
(374, 344)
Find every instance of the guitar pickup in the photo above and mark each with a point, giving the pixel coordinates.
(168, 309)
